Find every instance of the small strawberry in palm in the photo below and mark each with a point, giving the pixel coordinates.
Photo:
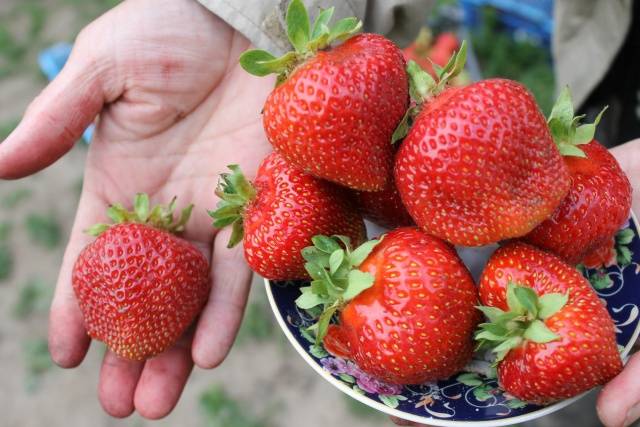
(335, 107)
(551, 333)
(138, 285)
(277, 215)
(478, 164)
(405, 302)
(583, 227)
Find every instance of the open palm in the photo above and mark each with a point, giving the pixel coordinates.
(175, 109)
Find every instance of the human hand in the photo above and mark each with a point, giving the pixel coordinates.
(175, 108)
(619, 402)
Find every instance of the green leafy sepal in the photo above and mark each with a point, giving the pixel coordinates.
(524, 321)
(158, 216)
(306, 38)
(234, 191)
(335, 277)
(566, 130)
(423, 87)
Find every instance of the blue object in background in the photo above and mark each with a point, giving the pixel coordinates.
(533, 18)
(51, 61)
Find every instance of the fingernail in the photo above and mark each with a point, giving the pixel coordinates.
(632, 415)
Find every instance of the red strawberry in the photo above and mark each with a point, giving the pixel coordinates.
(406, 305)
(335, 108)
(277, 216)
(384, 207)
(553, 336)
(138, 285)
(581, 230)
(479, 164)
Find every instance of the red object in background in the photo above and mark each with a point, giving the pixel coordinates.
(424, 52)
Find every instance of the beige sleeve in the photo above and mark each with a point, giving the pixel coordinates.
(587, 36)
(262, 21)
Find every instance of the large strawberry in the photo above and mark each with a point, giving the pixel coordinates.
(279, 213)
(552, 335)
(582, 229)
(138, 285)
(478, 164)
(335, 108)
(406, 305)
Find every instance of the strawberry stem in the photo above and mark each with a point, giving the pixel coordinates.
(235, 192)
(423, 87)
(566, 130)
(423, 42)
(306, 39)
(333, 266)
(524, 321)
(160, 216)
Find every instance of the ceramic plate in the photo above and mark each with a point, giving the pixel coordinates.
(468, 398)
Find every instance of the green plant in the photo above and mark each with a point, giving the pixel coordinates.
(6, 254)
(7, 127)
(360, 410)
(522, 60)
(37, 361)
(43, 230)
(33, 297)
(257, 324)
(14, 198)
(222, 410)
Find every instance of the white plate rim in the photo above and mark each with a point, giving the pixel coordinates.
(428, 420)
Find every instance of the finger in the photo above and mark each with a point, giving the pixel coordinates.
(628, 155)
(68, 340)
(619, 402)
(221, 317)
(163, 379)
(117, 386)
(59, 115)
(401, 422)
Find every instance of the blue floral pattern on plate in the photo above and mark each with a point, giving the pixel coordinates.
(472, 397)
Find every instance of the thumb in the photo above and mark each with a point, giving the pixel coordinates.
(58, 116)
(619, 402)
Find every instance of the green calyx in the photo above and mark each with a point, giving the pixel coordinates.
(158, 216)
(423, 87)
(234, 191)
(306, 38)
(506, 330)
(335, 277)
(566, 129)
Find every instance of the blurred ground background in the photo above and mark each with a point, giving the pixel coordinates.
(35, 218)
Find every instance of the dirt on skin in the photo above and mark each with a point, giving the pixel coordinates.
(34, 393)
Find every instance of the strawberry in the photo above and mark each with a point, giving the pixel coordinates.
(406, 305)
(583, 227)
(552, 335)
(335, 108)
(384, 207)
(478, 165)
(279, 213)
(138, 285)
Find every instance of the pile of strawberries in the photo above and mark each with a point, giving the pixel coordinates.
(469, 166)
